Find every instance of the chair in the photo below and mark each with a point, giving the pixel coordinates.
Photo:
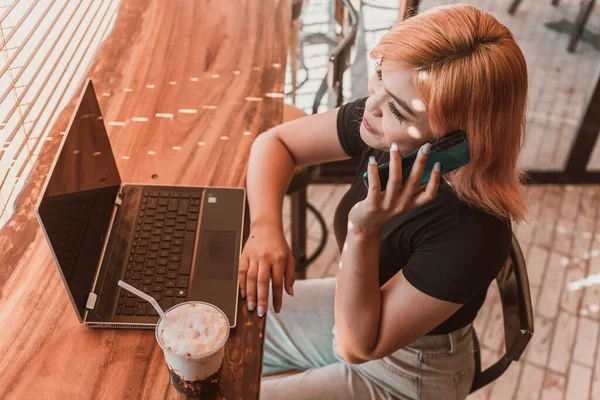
(410, 7)
(406, 8)
(299, 204)
(584, 15)
(513, 285)
(339, 58)
(515, 4)
(339, 61)
(293, 46)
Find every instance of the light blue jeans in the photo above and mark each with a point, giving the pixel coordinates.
(302, 338)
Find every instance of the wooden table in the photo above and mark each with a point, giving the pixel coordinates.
(185, 86)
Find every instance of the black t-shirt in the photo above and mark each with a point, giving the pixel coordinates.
(446, 248)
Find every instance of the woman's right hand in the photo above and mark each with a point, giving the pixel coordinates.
(266, 256)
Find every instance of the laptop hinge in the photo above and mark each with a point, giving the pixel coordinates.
(118, 201)
(91, 301)
(119, 198)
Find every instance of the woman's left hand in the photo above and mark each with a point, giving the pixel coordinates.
(370, 215)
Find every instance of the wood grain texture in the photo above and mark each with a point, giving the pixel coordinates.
(217, 67)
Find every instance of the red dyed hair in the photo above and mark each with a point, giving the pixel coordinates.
(472, 76)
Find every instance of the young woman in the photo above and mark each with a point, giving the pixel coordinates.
(416, 261)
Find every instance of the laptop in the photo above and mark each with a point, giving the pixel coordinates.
(175, 243)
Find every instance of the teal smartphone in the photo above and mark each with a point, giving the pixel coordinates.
(451, 151)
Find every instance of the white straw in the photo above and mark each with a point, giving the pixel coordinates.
(144, 296)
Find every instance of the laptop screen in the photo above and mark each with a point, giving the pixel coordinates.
(79, 199)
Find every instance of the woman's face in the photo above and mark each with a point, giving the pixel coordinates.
(394, 112)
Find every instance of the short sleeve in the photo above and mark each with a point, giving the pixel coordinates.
(455, 264)
(349, 119)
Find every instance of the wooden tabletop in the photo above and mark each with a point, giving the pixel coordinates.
(185, 86)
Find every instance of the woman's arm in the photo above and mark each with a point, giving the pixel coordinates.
(373, 322)
(274, 156)
(358, 297)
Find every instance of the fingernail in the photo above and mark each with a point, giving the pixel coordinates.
(261, 311)
(250, 306)
(243, 294)
(437, 166)
(277, 308)
(394, 147)
(371, 160)
(426, 148)
(292, 291)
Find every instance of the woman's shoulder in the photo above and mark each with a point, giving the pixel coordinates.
(454, 249)
(480, 221)
(447, 216)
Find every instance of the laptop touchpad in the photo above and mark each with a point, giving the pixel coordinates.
(216, 258)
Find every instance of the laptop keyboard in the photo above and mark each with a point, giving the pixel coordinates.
(160, 256)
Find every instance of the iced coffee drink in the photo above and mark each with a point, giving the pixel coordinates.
(193, 340)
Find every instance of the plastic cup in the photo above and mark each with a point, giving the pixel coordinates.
(194, 374)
